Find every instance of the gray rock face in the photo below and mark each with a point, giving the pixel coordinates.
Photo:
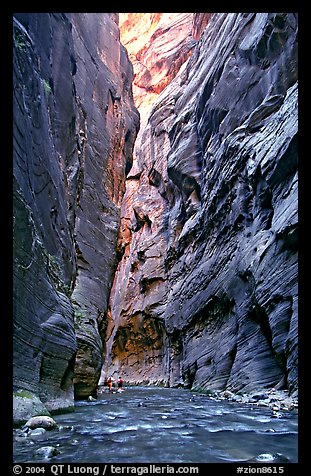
(205, 294)
(107, 122)
(73, 136)
(44, 263)
(25, 405)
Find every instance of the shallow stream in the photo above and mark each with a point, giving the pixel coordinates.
(162, 425)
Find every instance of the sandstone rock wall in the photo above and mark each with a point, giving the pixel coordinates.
(205, 294)
(107, 124)
(74, 128)
(158, 44)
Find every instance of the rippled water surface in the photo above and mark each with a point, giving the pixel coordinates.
(162, 425)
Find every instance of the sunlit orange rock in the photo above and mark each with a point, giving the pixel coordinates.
(158, 44)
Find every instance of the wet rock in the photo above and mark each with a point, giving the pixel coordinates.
(236, 398)
(277, 414)
(259, 396)
(23, 432)
(65, 428)
(44, 422)
(47, 452)
(227, 394)
(91, 399)
(270, 458)
(37, 432)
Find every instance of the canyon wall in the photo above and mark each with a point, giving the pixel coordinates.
(193, 235)
(205, 294)
(74, 128)
(157, 44)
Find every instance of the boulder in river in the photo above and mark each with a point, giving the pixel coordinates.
(37, 432)
(42, 421)
(91, 399)
(270, 458)
(47, 452)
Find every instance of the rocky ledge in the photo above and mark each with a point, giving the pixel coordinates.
(276, 400)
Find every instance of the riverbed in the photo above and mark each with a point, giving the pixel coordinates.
(163, 425)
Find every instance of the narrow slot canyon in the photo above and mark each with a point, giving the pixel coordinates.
(155, 216)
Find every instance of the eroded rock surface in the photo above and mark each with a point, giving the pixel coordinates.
(74, 128)
(205, 294)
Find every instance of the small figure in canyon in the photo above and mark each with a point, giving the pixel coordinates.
(109, 381)
(120, 384)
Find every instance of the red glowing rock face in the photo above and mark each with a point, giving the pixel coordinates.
(158, 44)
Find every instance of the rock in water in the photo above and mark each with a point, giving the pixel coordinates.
(269, 458)
(47, 452)
(45, 422)
(25, 405)
(91, 399)
(37, 432)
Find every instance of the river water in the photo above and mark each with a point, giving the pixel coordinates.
(162, 425)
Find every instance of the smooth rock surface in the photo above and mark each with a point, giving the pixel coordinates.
(74, 128)
(158, 45)
(37, 432)
(205, 293)
(41, 421)
(269, 458)
(47, 452)
(107, 122)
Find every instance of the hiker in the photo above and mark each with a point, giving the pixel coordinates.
(120, 384)
(109, 381)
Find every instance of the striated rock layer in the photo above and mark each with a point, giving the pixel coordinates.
(205, 293)
(158, 44)
(74, 128)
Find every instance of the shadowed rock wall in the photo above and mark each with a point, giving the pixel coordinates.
(205, 294)
(74, 128)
